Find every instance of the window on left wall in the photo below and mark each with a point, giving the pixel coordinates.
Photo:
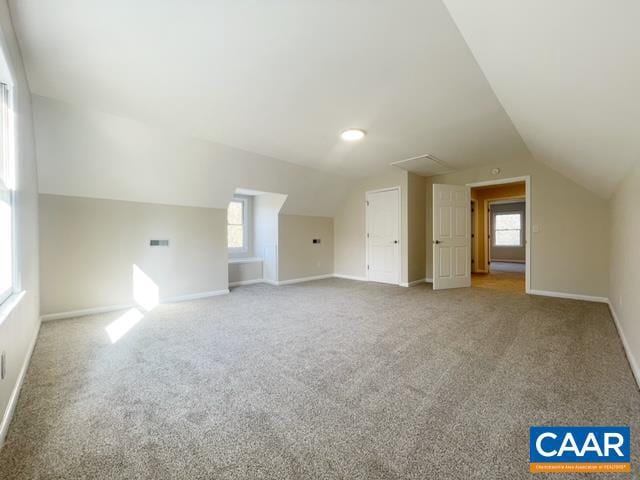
(7, 196)
(237, 225)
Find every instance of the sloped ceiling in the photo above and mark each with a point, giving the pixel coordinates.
(280, 78)
(568, 74)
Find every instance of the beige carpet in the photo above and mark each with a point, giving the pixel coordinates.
(323, 380)
(497, 266)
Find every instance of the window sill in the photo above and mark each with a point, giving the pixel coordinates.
(9, 305)
(246, 260)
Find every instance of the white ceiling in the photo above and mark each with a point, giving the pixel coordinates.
(568, 74)
(281, 78)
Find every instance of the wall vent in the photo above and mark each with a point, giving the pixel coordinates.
(159, 243)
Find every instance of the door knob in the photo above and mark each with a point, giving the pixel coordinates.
(437, 242)
(395, 241)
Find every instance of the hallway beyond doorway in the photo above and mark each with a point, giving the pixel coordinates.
(505, 276)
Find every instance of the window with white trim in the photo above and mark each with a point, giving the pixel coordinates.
(7, 187)
(237, 229)
(507, 229)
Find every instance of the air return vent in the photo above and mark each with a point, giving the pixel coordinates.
(159, 243)
(425, 165)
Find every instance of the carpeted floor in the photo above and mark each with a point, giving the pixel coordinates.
(507, 267)
(322, 380)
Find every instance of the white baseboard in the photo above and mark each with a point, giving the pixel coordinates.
(114, 308)
(507, 261)
(84, 312)
(364, 279)
(245, 260)
(247, 282)
(411, 284)
(304, 279)
(627, 350)
(571, 296)
(350, 277)
(13, 399)
(194, 296)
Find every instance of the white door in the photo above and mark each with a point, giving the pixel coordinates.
(383, 236)
(451, 237)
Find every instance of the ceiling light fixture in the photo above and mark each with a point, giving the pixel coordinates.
(352, 134)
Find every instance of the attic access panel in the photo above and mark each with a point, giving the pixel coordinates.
(425, 165)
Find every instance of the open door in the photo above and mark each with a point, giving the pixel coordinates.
(451, 236)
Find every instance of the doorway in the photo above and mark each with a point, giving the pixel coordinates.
(502, 223)
(383, 235)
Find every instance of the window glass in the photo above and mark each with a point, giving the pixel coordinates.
(235, 213)
(507, 230)
(6, 197)
(235, 225)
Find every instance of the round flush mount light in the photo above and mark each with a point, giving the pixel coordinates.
(352, 134)
(495, 171)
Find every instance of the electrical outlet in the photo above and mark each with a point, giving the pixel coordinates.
(3, 365)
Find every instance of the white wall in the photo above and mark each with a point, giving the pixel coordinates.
(298, 256)
(92, 154)
(350, 223)
(19, 326)
(88, 248)
(245, 272)
(265, 223)
(88, 154)
(624, 282)
(570, 250)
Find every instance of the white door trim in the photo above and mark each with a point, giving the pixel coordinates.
(366, 228)
(527, 189)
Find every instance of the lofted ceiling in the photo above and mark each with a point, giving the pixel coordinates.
(568, 74)
(281, 78)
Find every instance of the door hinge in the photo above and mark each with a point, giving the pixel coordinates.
(367, 203)
(367, 235)
(367, 267)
